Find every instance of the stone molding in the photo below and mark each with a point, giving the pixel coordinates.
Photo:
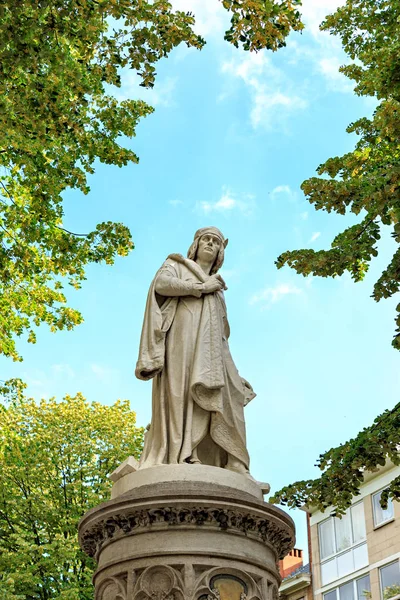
(94, 536)
(168, 582)
(187, 539)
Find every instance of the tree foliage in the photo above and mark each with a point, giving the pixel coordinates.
(343, 468)
(56, 119)
(59, 59)
(391, 591)
(366, 181)
(258, 24)
(54, 462)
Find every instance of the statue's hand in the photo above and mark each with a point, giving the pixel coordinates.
(249, 393)
(215, 283)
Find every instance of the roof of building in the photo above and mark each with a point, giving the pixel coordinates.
(304, 569)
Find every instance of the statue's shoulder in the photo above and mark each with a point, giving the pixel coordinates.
(173, 264)
(177, 258)
(183, 267)
(183, 260)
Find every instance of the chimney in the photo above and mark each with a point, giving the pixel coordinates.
(291, 562)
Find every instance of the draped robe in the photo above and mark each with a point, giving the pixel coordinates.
(198, 395)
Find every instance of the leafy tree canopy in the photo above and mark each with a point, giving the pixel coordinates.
(343, 468)
(54, 462)
(57, 118)
(366, 181)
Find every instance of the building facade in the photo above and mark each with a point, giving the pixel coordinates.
(296, 577)
(358, 556)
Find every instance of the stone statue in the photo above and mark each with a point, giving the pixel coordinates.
(198, 394)
(178, 526)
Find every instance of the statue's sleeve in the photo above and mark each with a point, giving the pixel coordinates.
(169, 284)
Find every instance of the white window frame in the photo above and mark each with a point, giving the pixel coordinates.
(393, 562)
(336, 554)
(353, 581)
(352, 545)
(373, 509)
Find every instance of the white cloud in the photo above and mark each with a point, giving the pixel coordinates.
(211, 17)
(263, 112)
(304, 216)
(175, 202)
(64, 370)
(42, 384)
(103, 373)
(314, 12)
(271, 93)
(323, 50)
(228, 202)
(315, 236)
(337, 82)
(283, 189)
(271, 295)
(309, 280)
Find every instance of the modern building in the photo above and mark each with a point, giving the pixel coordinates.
(357, 557)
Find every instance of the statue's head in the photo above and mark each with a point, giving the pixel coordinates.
(209, 231)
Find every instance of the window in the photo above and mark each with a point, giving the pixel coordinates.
(329, 571)
(336, 535)
(346, 592)
(358, 589)
(343, 532)
(363, 588)
(358, 522)
(381, 515)
(360, 556)
(342, 545)
(326, 539)
(345, 563)
(390, 580)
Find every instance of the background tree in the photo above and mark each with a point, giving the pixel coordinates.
(54, 462)
(343, 468)
(57, 117)
(366, 181)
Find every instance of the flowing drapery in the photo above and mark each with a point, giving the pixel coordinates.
(198, 394)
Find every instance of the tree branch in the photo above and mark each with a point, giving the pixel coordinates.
(71, 232)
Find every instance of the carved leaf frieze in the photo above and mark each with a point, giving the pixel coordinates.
(119, 525)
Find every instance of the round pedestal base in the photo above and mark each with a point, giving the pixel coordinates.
(183, 539)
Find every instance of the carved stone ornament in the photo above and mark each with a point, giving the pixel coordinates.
(216, 595)
(133, 521)
(221, 583)
(112, 588)
(275, 593)
(159, 583)
(164, 582)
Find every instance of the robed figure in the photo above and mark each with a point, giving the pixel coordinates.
(198, 394)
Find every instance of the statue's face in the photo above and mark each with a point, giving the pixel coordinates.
(208, 248)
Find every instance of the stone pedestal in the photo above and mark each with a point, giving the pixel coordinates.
(186, 532)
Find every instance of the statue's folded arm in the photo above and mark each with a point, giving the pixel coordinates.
(169, 285)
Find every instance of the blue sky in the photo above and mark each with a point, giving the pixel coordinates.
(231, 140)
